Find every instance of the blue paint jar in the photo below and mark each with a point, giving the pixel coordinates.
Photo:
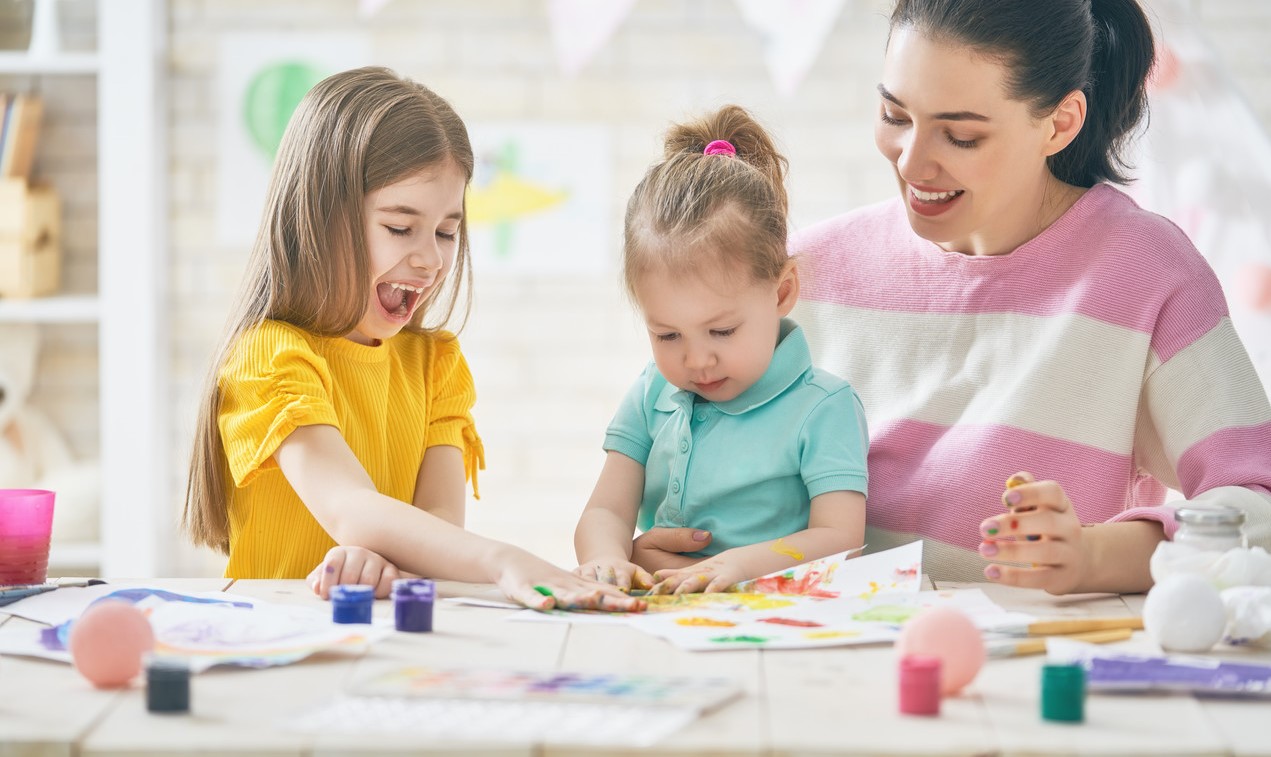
(352, 603)
(412, 604)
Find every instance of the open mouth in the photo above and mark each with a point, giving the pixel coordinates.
(399, 300)
(932, 203)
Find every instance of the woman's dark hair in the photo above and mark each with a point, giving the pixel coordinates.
(1052, 47)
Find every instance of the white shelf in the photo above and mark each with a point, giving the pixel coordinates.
(61, 308)
(75, 555)
(18, 62)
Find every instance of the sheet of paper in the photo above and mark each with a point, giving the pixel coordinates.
(207, 629)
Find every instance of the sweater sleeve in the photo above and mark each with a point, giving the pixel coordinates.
(1204, 429)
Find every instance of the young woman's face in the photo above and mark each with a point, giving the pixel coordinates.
(412, 236)
(713, 338)
(971, 161)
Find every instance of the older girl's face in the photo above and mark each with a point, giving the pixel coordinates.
(412, 237)
(971, 160)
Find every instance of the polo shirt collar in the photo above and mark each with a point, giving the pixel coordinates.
(790, 361)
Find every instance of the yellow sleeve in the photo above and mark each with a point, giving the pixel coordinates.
(271, 384)
(453, 395)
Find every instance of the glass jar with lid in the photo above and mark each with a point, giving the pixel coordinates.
(1214, 529)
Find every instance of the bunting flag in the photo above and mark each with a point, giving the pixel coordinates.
(793, 32)
(1205, 163)
(580, 28)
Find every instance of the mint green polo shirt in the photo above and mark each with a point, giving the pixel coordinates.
(746, 469)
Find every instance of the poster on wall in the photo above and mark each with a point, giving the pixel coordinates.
(261, 79)
(538, 204)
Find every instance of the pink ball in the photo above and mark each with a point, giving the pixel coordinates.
(108, 641)
(950, 635)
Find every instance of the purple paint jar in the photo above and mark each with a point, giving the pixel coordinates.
(352, 603)
(412, 604)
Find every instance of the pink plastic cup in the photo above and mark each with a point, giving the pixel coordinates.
(26, 522)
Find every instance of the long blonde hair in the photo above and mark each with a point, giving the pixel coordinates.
(353, 133)
(694, 213)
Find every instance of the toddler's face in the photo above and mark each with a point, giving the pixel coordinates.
(714, 337)
(412, 236)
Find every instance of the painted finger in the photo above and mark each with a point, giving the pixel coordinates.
(332, 571)
(1027, 578)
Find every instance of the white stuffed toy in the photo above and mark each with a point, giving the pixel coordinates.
(33, 453)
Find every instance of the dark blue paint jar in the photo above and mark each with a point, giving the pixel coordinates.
(413, 600)
(352, 603)
(168, 685)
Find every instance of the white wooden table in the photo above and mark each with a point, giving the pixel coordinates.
(804, 702)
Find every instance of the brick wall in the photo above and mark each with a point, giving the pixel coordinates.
(551, 355)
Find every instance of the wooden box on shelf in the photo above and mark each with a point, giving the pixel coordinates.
(30, 239)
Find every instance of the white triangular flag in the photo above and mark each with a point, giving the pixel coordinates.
(793, 33)
(1205, 163)
(580, 28)
(368, 8)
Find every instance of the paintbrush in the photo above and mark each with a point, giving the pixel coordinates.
(1071, 625)
(1011, 648)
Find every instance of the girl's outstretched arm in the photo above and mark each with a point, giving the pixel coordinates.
(336, 488)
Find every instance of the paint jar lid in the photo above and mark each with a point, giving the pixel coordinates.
(920, 684)
(421, 589)
(352, 593)
(1064, 693)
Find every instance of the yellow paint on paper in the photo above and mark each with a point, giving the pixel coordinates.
(715, 600)
(785, 549)
(705, 622)
(831, 634)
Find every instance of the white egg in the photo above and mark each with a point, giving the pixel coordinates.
(1184, 613)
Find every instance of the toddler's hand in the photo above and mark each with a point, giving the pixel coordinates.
(712, 575)
(1040, 533)
(621, 573)
(353, 565)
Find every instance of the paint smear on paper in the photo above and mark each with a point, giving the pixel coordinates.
(705, 622)
(782, 548)
(792, 622)
(887, 614)
(714, 601)
(741, 639)
(809, 584)
(831, 634)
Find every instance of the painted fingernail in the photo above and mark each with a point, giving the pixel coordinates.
(1016, 479)
(701, 535)
(990, 528)
(1013, 497)
(1033, 537)
(988, 548)
(993, 572)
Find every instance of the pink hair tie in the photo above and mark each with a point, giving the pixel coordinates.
(720, 147)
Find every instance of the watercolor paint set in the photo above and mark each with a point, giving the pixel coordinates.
(695, 693)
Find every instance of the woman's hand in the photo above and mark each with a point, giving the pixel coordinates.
(662, 548)
(621, 573)
(539, 585)
(714, 574)
(353, 565)
(1039, 530)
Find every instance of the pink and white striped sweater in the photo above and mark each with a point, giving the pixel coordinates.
(1099, 354)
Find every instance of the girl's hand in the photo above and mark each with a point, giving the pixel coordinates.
(1040, 529)
(711, 575)
(539, 585)
(353, 565)
(621, 573)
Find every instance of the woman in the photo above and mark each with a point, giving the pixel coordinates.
(1013, 312)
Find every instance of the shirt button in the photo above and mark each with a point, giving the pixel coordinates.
(675, 487)
(701, 417)
(683, 445)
